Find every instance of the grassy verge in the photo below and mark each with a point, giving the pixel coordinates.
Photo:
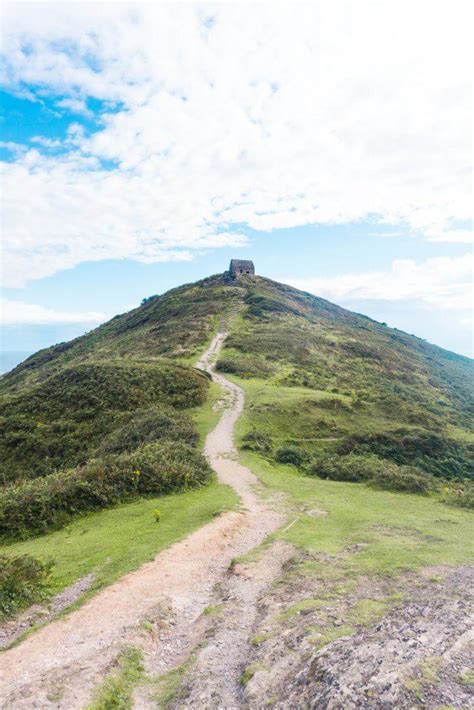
(112, 542)
(392, 532)
(207, 415)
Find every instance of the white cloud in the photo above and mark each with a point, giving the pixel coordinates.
(442, 283)
(78, 106)
(46, 142)
(12, 147)
(282, 115)
(19, 313)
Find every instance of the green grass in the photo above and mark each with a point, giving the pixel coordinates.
(395, 532)
(116, 691)
(112, 542)
(399, 531)
(167, 687)
(207, 415)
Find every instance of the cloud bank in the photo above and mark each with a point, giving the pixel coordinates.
(20, 313)
(214, 119)
(442, 283)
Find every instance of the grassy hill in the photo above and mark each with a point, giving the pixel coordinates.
(325, 380)
(107, 418)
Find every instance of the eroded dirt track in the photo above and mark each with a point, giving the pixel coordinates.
(61, 663)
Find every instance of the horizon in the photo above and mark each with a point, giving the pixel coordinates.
(134, 163)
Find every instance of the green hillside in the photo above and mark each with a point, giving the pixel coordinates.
(325, 379)
(114, 419)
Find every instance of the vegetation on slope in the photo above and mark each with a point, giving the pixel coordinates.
(23, 581)
(176, 325)
(328, 381)
(323, 384)
(71, 415)
(50, 501)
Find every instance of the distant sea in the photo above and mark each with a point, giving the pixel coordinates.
(10, 358)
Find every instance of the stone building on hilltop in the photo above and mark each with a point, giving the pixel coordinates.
(239, 267)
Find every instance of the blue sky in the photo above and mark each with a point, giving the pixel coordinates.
(143, 147)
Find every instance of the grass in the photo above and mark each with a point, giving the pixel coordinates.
(166, 687)
(116, 691)
(398, 531)
(394, 532)
(207, 415)
(112, 542)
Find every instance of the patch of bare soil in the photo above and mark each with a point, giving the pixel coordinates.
(215, 678)
(59, 665)
(405, 643)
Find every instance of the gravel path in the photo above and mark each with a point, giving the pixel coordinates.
(59, 665)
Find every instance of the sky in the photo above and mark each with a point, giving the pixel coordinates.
(144, 145)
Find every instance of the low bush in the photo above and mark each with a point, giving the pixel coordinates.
(350, 468)
(461, 495)
(292, 455)
(145, 427)
(23, 581)
(406, 479)
(258, 441)
(43, 504)
(245, 366)
(373, 470)
(430, 451)
(60, 423)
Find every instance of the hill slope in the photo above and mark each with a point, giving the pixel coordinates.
(345, 381)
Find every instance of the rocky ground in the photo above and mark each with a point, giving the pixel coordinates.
(416, 652)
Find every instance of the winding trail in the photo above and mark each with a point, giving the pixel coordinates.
(60, 664)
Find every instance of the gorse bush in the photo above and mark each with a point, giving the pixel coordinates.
(350, 468)
(39, 505)
(292, 455)
(430, 451)
(23, 581)
(60, 422)
(257, 441)
(459, 494)
(245, 365)
(373, 470)
(407, 479)
(145, 427)
(84, 390)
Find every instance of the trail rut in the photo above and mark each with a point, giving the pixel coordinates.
(61, 663)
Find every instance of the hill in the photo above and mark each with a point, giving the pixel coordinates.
(352, 429)
(345, 382)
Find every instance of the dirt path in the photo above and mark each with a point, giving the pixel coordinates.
(61, 663)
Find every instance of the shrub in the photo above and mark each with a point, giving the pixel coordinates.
(406, 479)
(462, 495)
(292, 455)
(256, 440)
(60, 422)
(351, 468)
(45, 503)
(371, 469)
(23, 581)
(245, 366)
(429, 451)
(145, 427)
